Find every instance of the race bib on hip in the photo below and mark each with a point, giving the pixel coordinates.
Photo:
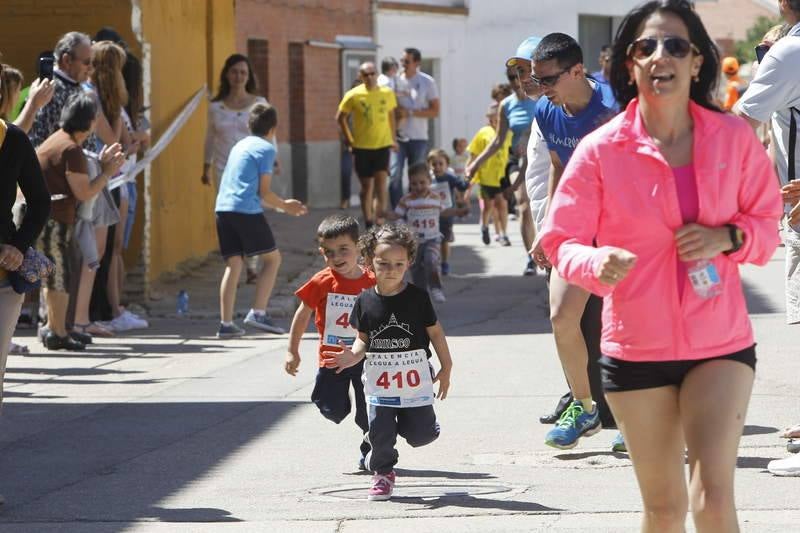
(337, 319)
(424, 223)
(398, 379)
(443, 191)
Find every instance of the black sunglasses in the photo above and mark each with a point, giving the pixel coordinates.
(761, 51)
(549, 81)
(675, 46)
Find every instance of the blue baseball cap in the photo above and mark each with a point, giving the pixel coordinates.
(524, 51)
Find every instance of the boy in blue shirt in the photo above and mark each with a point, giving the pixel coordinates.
(242, 227)
(575, 106)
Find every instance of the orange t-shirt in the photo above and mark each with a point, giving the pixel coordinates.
(332, 297)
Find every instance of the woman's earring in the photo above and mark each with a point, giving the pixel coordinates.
(696, 78)
(630, 81)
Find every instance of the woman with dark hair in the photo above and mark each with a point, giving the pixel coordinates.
(19, 170)
(676, 195)
(65, 170)
(228, 114)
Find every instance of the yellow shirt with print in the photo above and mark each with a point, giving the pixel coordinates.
(494, 168)
(370, 111)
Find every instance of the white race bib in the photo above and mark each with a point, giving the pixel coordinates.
(443, 190)
(337, 320)
(398, 379)
(424, 222)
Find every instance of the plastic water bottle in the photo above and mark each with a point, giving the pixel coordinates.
(182, 307)
(704, 278)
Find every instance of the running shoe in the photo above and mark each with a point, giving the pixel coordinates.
(504, 240)
(618, 444)
(573, 424)
(485, 235)
(229, 332)
(793, 446)
(785, 467)
(83, 338)
(262, 322)
(530, 268)
(437, 295)
(362, 465)
(382, 487)
(126, 322)
(445, 268)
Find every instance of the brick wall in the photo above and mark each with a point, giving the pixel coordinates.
(282, 22)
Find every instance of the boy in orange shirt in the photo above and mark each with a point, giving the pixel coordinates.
(330, 295)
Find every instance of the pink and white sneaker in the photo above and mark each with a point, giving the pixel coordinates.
(382, 487)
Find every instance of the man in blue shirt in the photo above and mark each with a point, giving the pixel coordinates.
(242, 228)
(574, 106)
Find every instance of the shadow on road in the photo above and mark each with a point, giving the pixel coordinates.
(117, 462)
(464, 501)
(407, 473)
(758, 430)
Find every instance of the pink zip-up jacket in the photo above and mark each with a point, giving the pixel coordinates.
(619, 191)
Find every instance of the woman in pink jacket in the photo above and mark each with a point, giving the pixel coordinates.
(676, 195)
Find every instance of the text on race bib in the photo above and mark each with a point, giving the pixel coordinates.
(398, 379)
(337, 319)
(442, 189)
(424, 222)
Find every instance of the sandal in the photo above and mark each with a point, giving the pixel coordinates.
(94, 329)
(17, 349)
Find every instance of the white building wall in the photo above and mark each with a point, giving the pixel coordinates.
(471, 50)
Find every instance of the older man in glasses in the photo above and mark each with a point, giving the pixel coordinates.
(73, 56)
(574, 106)
(371, 138)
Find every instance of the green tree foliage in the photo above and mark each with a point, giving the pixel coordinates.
(744, 49)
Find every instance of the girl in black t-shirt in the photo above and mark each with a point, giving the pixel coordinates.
(396, 324)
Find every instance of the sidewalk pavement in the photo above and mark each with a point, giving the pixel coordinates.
(300, 259)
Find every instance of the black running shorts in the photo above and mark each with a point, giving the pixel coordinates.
(621, 376)
(244, 234)
(370, 162)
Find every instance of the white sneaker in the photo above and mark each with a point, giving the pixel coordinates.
(127, 321)
(785, 467)
(437, 295)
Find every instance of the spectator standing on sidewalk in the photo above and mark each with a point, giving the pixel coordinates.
(418, 101)
(228, 115)
(39, 94)
(643, 218)
(66, 170)
(774, 96)
(371, 139)
(734, 84)
(575, 105)
(242, 227)
(19, 168)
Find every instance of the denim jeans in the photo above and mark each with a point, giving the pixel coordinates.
(414, 151)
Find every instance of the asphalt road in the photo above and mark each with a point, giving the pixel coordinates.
(173, 430)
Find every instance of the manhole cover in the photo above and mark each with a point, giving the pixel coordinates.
(422, 490)
(557, 459)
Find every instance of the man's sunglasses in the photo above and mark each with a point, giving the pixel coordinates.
(761, 51)
(549, 81)
(675, 46)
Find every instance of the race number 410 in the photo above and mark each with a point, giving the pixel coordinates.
(410, 378)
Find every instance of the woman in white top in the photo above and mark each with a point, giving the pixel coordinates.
(228, 112)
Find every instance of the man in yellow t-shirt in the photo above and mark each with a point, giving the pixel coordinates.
(371, 137)
(493, 204)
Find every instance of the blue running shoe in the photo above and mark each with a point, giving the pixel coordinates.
(573, 424)
(445, 268)
(618, 444)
